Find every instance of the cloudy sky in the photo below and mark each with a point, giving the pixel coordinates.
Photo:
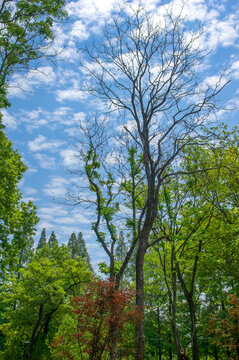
(48, 103)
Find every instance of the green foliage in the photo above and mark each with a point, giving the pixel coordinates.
(17, 219)
(77, 247)
(52, 242)
(26, 29)
(42, 241)
(32, 303)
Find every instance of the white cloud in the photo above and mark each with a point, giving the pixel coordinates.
(79, 30)
(35, 119)
(91, 11)
(70, 157)
(21, 84)
(30, 191)
(235, 70)
(63, 45)
(57, 187)
(80, 116)
(38, 117)
(223, 33)
(42, 143)
(26, 199)
(8, 120)
(58, 218)
(73, 94)
(46, 162)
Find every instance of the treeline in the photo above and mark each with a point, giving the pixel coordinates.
(76, 246)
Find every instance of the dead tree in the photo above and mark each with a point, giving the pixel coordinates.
(148, 70)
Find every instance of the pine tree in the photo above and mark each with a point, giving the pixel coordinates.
(72, 246)
(77, 247)
(83, 253)
(52, 242)
(42, 241)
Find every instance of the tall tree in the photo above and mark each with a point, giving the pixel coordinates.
(83, 253)
(72, 246)
(42, 241)
(52, 242)
(77, 247)
(147, 72)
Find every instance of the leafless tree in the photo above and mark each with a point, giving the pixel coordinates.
(148, 70)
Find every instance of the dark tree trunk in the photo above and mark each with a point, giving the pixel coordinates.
(170, 353)
(159, 334)
(35, 334)
(170, 335)
(140, 338)
(180, 351)
(215, 353)
(195, 348)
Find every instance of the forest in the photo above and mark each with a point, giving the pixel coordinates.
(161, 178)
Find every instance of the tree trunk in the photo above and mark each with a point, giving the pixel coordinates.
(35, 334)
(180, 351)
(159, 334)
(113, 347)
(170, 335)
(140, 338)
(215, 353)
(195, 348)
(191, 306)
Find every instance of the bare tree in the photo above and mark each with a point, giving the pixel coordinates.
(111, 185)
(148, 70)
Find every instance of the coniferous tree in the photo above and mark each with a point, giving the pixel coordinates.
(83, 253)
(77, 247)
(72, 246)
(52, 242)
(42, 241)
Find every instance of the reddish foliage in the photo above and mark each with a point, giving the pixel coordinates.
(102, 313)
(225, 329)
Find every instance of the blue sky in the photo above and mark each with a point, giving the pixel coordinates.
(48, 103)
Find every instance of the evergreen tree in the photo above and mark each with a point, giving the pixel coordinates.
(42, 241)
(77, 247)
(52, 242)
(72, 246)
(83, 253)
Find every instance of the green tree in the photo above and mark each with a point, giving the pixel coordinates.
(17, 219)
(199, 215)
(23, 240)
(26, 29)
(77, 247)
(83, 253)
(41, 293)
(42, 241)
(52, 242)
(72, 246)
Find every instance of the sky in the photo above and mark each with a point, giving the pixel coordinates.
(47, 104)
